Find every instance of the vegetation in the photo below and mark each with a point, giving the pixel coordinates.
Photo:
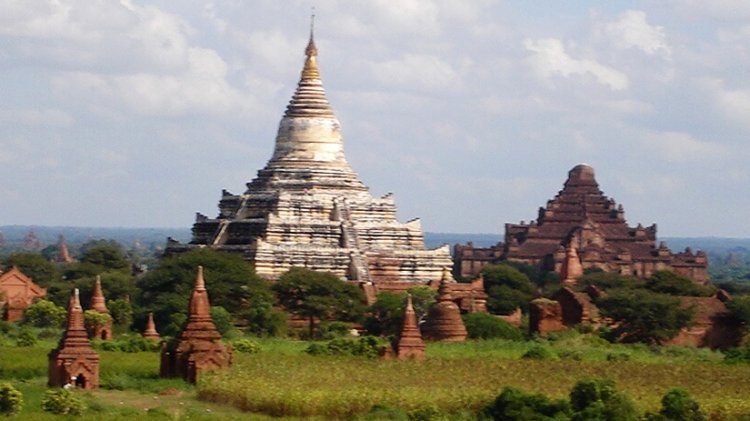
(487, 326)
(44, 313)
(11, 400)
(668, 282)
(319, 295)
(231, 282)
(507, 288)
(386, 315)
(643, 316)
(63, 402)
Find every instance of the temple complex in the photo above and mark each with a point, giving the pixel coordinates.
(17, 291)
(199, 348)
(308, 207)
(74, 361)
(581, 220)
(98, 304)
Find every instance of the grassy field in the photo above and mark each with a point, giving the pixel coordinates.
(283, 381)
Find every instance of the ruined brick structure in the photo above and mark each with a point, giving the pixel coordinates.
(581, 217)
(410, 344)
(711, 327)
(63, 255)
(98, 304)
(150, 332)
(17, 291)
(199, 348)
(308, 207)
(74, 361)
(444, 321)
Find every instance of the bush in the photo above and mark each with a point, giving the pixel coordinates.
(538, 352)
(332, 330)
(246, 346)
(62, 402)
(737, 355)
(515, 405)
(507, 288)
(384, 412)
(668, 282)
(11, 400)
(44, 313)
(127, 343)
(598, 399)
(487, 326)
(677, 404)
(366, 346)
(222, 320)
(26, 338)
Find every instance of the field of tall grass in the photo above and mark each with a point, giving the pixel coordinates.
(458, 379)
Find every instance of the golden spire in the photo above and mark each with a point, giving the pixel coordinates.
(311, 51)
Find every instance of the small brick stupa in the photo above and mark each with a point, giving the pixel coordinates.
(444, 321)
(74, 361)
(571, 267)
(98, 304)
(199, 348)
(410, 344)
(150, 332)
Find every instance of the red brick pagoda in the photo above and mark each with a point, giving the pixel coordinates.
(74, 361)
(199, 348)
(410, 344)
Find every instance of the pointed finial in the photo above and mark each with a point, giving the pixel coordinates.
(200, 284)
(311, 49)
(409, 306)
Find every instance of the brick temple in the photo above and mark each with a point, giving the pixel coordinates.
(17, 291)
(582, 219)
(308, 207)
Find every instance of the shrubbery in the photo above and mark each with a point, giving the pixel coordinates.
(487, 326)
(26, 338)
(677, 404)
(246, 346)
(44, 313)
(516, 405)
(11, 400)
(365, 346)
(127, 343)
(538, 352)
(63, 402)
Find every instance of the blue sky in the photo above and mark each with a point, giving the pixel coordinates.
(137, 113)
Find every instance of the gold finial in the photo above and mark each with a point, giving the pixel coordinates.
(311, 64)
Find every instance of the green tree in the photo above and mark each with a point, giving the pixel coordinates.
(35, 266)
(319, 295)
(516, 405)
(608, 280)
(677, 404)
(44, 313)
(507, 288)
(598, 399)
(487, 326)
(231, 282)
(386, 315)
(121, 311)
(108, 254)
(644, 316)
(668, 282)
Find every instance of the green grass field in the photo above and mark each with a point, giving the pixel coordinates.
(283, 381)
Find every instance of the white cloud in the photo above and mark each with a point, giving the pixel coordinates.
(34, 117)
(419, 71)
(632, 31)
(678, 147)
(549, 58)
(201, 88)
(733, 103)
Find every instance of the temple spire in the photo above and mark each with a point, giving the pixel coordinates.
(98, 302)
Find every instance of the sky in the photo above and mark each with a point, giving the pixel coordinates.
(138, 113)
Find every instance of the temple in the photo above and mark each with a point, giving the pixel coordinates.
(98, 304)
(199, 348)
(581, 221)
(17, 291)
(308, 207)
(74, 362)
